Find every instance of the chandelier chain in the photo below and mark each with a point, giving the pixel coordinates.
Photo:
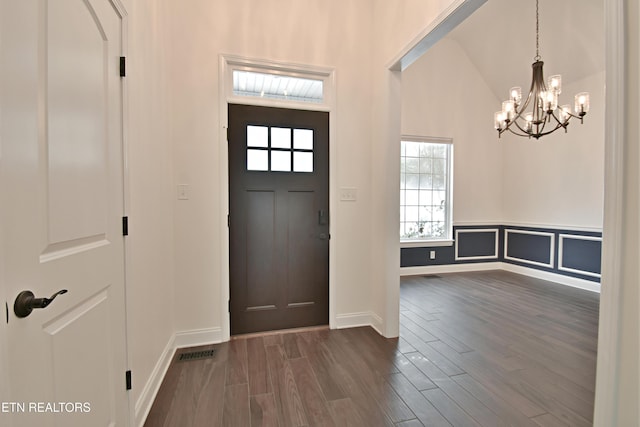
(537, 57)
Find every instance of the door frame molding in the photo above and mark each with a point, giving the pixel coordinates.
(229, 63)
(121, 10)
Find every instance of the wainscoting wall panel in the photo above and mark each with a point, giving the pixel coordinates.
(529, 247)
(477, 244)
(572, 253)
(580, 254)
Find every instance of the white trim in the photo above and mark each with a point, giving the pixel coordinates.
(496, 231)
(553, 277)
(477, 223)
(432, 139)
(126, 203)
(425, 243)
(328, 75)
(449, 268)
(553, 227)
(198, 337)
(539, 233)
(609, 351)
(453, 15)
(182, 339)
(325, 74)
(354, 320)
(561, 238)
(527, 225)
(151, 388)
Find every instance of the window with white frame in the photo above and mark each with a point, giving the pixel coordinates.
(425, 189)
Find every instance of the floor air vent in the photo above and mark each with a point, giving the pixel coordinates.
(196, 355)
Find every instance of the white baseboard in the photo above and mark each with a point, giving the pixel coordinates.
(553, 277)
(150, 390)
(532, 272)
(198, 337)
(179, 340)
(353, 320)
(376, 323)
(449, 268)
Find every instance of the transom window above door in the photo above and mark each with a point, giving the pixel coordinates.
(279, 149)
(277, 86)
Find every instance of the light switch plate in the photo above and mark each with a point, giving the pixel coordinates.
(183, 192)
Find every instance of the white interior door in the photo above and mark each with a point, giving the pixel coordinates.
(61, 171)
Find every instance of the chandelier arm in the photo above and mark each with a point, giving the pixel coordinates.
(548, 132)
(519, 127)
(518, 115)
(536, 135)
(563, 124)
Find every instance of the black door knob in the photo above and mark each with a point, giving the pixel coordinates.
(25, 302)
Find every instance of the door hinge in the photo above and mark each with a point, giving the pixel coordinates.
(229, 305)
(123, 66)
(125, 225)
(128, 379)
(228, 221)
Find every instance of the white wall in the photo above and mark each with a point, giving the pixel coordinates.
(150, 246)
(443, 95)
(559, 179)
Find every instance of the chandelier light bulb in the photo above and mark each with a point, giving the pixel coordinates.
(565, 113)
(508, 109)
(529, 122)
(498, 119)
(516, 95)
(582, 103)
(555, 84)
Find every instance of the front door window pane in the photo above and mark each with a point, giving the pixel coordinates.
(257, 160)
(303, 139)
(281, 161)
(280, 138)
(302, 161)
(257, 136)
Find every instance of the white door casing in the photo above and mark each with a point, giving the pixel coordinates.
(61, 176)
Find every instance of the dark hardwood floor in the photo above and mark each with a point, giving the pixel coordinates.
(475, 349)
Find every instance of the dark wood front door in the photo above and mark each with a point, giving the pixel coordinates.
(278, 219)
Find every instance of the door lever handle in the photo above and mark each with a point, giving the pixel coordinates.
(25, 302)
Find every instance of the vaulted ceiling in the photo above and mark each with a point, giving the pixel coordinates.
(500, 40)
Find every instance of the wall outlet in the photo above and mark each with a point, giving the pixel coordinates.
(348, 194)
(432, 254)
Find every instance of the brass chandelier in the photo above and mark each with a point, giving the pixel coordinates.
(545, 116)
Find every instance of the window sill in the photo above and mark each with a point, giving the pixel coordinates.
(425, 243)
